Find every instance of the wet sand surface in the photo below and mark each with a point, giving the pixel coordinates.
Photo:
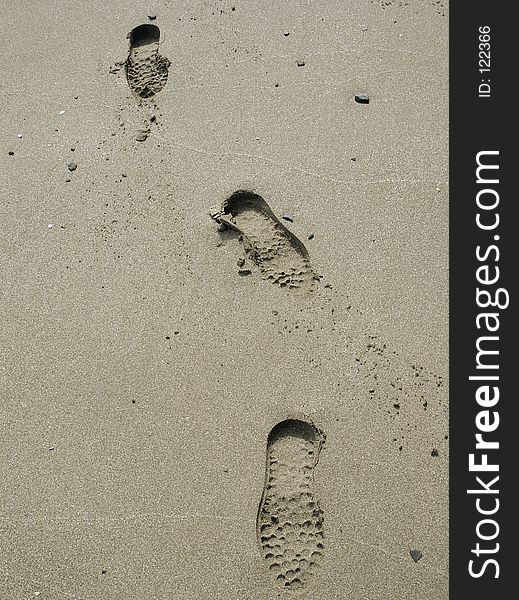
(143, 374)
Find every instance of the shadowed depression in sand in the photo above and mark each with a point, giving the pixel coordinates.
(146, 69)
(280, 256)
(290, 520)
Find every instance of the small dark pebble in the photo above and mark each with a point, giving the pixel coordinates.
(434, 452)
(103, 572)
(240, 262)
(301, 63)
(153, 118)
(72, 166)
(311, 236)
(141, 136)
(286, 33)
(416, 555)
(396, 405)
(353, 158)
(362, 99)
(11, 153)
(288, 217)
(244, 272)
(152, 17)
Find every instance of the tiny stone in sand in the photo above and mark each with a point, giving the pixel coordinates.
(416, 555)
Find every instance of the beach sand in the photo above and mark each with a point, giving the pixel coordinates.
(143, 374)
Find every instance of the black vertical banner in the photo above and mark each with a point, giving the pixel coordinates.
(484, 268)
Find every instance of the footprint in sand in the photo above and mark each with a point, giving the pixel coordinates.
(146, 69)
(281, 257)
(290, 520)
